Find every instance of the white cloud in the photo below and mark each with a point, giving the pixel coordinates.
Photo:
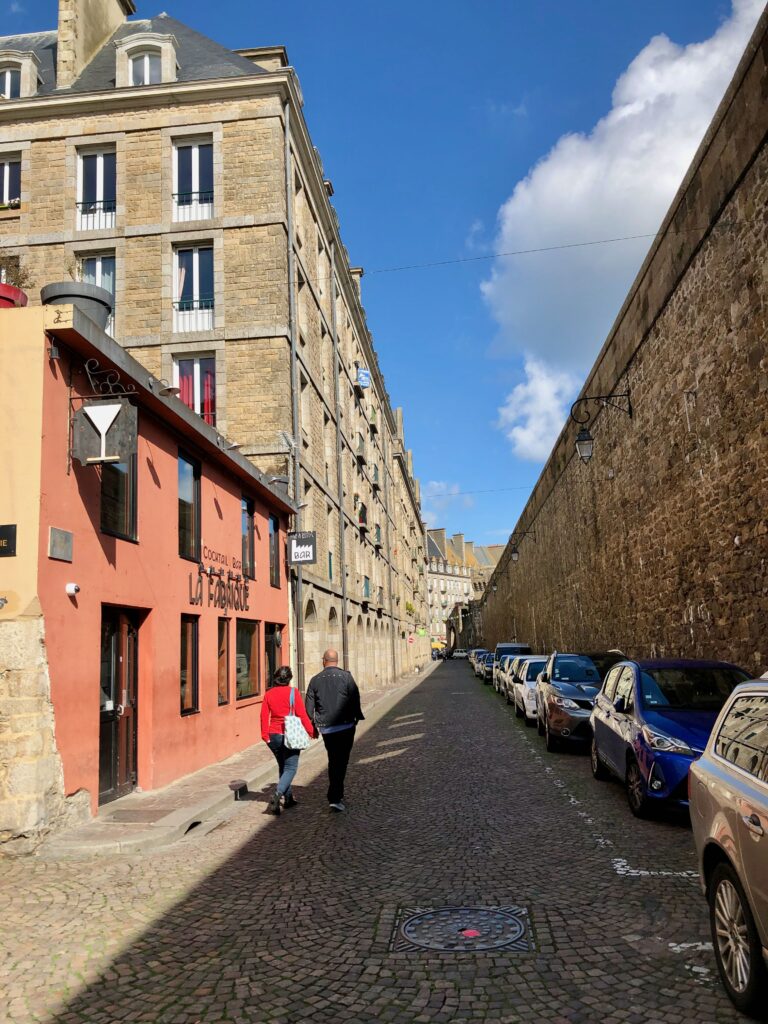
(556, 308)
(438, 496)
(533, 412)
(16, 8)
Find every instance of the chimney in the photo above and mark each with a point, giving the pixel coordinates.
(84, 27)
(469, 548)
(357, 276)
(457, 542)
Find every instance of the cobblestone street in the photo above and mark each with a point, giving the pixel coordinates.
(453, 803)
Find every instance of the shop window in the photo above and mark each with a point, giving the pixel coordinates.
(147, 68)
(193, 180)
(272, 641)
(189, 665)
(189, 508)
(10, 182)
(223, 661)
(195, 377)
(247, 531)
(100, 269)
(97, 190)
(193, 289)
(247, 659)
(274, 551)
(118, 498)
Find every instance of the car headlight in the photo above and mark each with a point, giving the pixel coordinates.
(565, 702)
(667, 744)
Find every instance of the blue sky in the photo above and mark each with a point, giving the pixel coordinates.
(453, 130)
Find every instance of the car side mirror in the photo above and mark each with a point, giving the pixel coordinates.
(544, 678)
(620, 706)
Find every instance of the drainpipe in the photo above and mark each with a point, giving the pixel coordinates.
(385, 473)
(339, 466)
(296, 452)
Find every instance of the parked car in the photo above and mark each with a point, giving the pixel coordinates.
(525, 673)
(460, 654)
(506, 676)
(475, 653)
(486, 665)
(500, 673)
(508, 648)
(565, 696)
(480, 664)
(605, 660)
(651, 719)
(729, 815)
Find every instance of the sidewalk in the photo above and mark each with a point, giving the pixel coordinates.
(146, 821)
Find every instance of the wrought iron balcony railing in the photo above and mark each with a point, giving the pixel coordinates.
(193, 315)
(96, 215)
(192, 205)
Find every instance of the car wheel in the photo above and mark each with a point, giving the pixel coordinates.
(550, 740)
(637, 795)
(599, 770)
(539, 725)
(529, 722)
(737, 945)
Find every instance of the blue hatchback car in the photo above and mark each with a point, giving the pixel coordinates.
(652, 719)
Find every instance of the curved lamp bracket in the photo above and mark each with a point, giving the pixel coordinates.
(617, 400)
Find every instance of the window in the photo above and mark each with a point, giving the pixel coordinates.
(249, 557)
(193, 181)
(330, 566)
(97, 190)
(189, 508)
(188, 670)
(146, 68)
(609, 687)
(10, 181)
(10, 82)
(223, 661)
(193, 289)
(625, 689)
(100, 270)
(118, 498)
(274, 551)
(247, 659)
(272, 641)
(195, 377)
(743, 737)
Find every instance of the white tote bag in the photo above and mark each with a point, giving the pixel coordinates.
(296, 736)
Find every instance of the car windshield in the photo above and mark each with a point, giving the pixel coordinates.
(695, 688)
(534, 667)
(605, 662)
(575, 668)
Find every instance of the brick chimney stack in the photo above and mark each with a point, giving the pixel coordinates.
(457, 542)
(84, 27)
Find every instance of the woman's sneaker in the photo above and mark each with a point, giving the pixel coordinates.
(273, 807)
(290, 801)
(338, 806)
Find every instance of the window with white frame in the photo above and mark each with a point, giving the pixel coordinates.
(193, 180)
(10, 181)
(99, 269)
(195, 377)
(146, 68)
(96, 189)
(193, 288)
(10, 82)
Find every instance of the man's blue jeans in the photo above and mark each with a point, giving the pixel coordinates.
(287, 762)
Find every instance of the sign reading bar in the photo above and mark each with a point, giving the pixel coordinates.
(7, 541)
(302, 548)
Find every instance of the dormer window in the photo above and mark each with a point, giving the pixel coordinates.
(146, 68)
(10, 82)
(145, 58)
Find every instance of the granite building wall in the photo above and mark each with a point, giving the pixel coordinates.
(659, 545)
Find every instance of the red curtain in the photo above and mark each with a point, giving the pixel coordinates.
(208, 375)
(187, 382)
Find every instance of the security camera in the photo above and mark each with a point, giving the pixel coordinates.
(72, 589)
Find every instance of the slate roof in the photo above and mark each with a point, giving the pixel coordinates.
(199, 58)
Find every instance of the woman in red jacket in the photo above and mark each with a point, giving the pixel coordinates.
(274, 709)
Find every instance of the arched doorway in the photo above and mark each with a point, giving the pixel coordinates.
(312, 641)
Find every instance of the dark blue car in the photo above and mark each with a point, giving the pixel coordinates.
(652, 719)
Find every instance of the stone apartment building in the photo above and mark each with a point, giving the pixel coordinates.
(458, 572)
(145, 158)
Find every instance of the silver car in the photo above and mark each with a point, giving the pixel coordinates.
(729, 814)
(526, 672)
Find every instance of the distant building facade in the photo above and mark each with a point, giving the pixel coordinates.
(457, 574)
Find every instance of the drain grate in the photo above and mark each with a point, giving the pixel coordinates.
(461, 929)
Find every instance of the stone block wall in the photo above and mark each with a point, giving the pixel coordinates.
(659, 545)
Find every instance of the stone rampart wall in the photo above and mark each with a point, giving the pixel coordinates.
(659, 545)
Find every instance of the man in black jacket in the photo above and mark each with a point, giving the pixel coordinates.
(333, 703)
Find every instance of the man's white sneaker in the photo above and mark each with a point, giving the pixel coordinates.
(337, 806)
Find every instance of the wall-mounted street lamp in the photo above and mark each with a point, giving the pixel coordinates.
(514, 553)
(585, 443)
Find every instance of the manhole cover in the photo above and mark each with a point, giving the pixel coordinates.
(461, 929)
